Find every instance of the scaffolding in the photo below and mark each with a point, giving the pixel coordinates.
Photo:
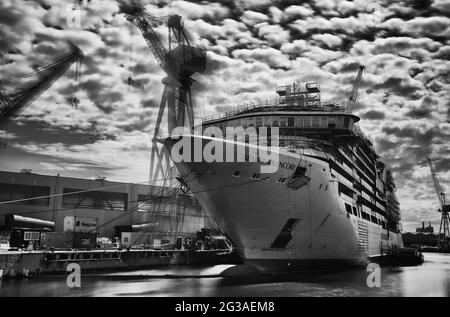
(301, 97)
(293, 94)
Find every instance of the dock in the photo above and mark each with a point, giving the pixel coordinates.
(35, 263)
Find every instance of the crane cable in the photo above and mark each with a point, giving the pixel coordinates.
(158, 213)
(36, 72)
(154, 216)
(130, 59)
(76, 73)
(14, 89)
(363, 96)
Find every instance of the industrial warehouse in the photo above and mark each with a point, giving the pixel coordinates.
(98, 206)
(97, 210)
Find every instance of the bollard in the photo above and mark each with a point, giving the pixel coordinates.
(1, 274)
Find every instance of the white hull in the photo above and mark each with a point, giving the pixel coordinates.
(254, 212)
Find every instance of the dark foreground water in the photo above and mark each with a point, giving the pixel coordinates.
(429, 279)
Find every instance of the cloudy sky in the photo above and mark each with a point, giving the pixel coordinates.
(252, 46)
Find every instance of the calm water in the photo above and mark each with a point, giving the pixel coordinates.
(429, 279)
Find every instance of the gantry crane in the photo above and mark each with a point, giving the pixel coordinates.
(18, 93)
(354, 94)
(444, 233)
(180, 61)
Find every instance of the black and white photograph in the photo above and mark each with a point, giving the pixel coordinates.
(224, 154)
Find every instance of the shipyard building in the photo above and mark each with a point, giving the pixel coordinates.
(100, 204)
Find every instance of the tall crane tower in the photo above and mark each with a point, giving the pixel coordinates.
(354, 94)
(180, 61)
(19, 92)
(444, 233)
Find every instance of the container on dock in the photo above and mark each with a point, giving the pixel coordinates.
(156, 243)
(80, 224)
(130, 239)
(57, 240)
(141, 239)
(122, 228)
(25, 232)
(206, 232)
(84, 240)
(25, 238)
(179, 243)
(70, 240)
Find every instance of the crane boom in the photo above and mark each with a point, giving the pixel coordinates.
(153, 42)
(437, 186)
(354, 94)
(18, 93)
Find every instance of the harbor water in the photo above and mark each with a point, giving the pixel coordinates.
(432, 278)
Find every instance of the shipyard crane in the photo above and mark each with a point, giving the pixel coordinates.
(18, 93)
(354, 94)
(180, 61)
(444, 233)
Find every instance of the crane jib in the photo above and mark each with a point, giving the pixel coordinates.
(18, 93)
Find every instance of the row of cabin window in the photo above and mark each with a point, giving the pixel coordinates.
(290, 122)
(365, 215)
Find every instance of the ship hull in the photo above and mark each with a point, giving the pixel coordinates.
(273, 226)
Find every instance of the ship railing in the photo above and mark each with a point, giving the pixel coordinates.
(326, 106)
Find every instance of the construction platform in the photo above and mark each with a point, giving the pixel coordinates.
(35, 263)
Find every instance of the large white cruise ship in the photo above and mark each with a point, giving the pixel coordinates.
(330, 202)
